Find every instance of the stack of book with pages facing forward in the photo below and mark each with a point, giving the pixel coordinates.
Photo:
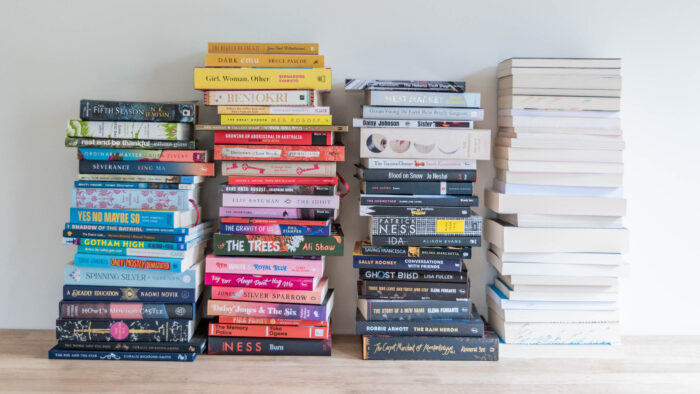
(418, 150)
(275, 142)
(558, 241)
(131, 292)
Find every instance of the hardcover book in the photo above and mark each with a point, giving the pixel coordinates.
(279, 245)
(378, 347)
(269, 346)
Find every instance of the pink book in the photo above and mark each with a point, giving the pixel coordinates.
(312, 266)
(311, 297)
(262, 281)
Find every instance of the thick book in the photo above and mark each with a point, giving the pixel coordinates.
(260, 47)
(262, 97)
(311, 266)
(197, 344)
(319, 138)
(423, 99)
(145, 168)
(279, 245)
(549, 62)
(416, 175)
(425, 240)
(378, 274)
(129, 130)
(422, 113)
(473, 327)
(419, 200)
(220, 78)
(110, 276)
(559, 103)
(136, 111)
(279, 213)
(62, 354)
(307, 283)
(413, 251)
(268, 331)
(276, 152)
(310, 190)
(262, 60)
(418, 164)
(118, 198)
(556, 166)
(316, 120)
(554, 179)
(414, 309)
(399, 211)
(418, 188)
(279, 201)
(267, 309)
(117, 217)
(553, 81)
(128, 330)
(403, 290)
(561, 155)
(189, 156)
(291, 296)
(269, 346)
(413, 123)
(470, 226)
(405, 85)
(275, 226)
(131, 294)
(77, 142)
(555, 205)
(400, 143)
(376, 347)
(125, 310)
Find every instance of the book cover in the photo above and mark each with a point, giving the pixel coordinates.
(63, 354)
(268, 331)
(156, 219)
(217, 78)
(166, 264)
(261, 60)
(125, 310)
(259, 168)
(261, 97)
(404, 290)
(414, 309)
(271, 321)
(417, 175)
(415, 164)
(314, 138)
(270, 110)
(425, 240)
(422, 113)
(411, 226)
(279, 245)
(419, 200)
(412, 275)
(259, 47)
(412, 251)
(261, 281)
(291, 296)
(314, 190)
(280, 213)
(196, 345)
(155, 199)
(376, 347)
(145, 168)
(275, 229)
(136, 111)
(317, 120)
(131, 294)
(125, 277)
(190, 156)
(77, 142)
(418, 188)
(282, 180)
(129, 130)
(397, 143)
(277, 152)
(194, 231)
(279, 201)
(406, 263)
(269, 346)
(404, 85)
(423, 99)
(268, 309)
(379, 210)
(439, 328)
(288, 266)
(141, 178)
(412, 123)
(128, 330)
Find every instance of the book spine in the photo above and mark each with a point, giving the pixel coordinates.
(266, 309)
(145, 168)
(320, 138)
(156, 199)
(258, 281)
(277, 245)
(109, 276)
(412, 251)
(141, 330)
(317, 120)
(271, 321)
(417, 310)
(123, 217)
(423, 188)
(275, 152)
(400, 290)
(412, 275)
(297, 213)
(289, 296)
(418, 175)
(416, 164)
(261, 60)
(406, 263)
(278, 169)
(190, 156)
(86, 259)
(129, 130)
(214, 127)
(438, 328)
(438, 201)
(424, 99)
(430, 348)
(154, 347)
(272, 346)
(276, 221)
(132, 185)
(282, 180)
(136, 112)
(128, 229)
(62, 354)
(312, 190)
(268, 331)
(125, 244)
(409, 143)
(423, 113)
(411, 226)
(156, 255)
(418, 124)
(270, 110)
(190, 180)
(279, 201)
(392, 240)
(260, 97)
(124, 310)
(71, 142)
(118, 293)
(274, 229)
(271, 48)
(405, 85)
(261, 78)
(123, 236)
(252, 266)
(378, 210)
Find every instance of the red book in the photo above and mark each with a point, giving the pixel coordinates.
(271, 321)
(268, 331)
(279, 152)
(282, 180)
(315, 138)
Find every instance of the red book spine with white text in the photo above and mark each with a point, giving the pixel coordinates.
(315, 138)
(279, 152)
(271, 320)
(268, 331)
(260, 281)
(281, 180)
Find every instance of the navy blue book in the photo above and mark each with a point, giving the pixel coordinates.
(59, 354)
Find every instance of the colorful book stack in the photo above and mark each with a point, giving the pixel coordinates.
(131, 292)
(418, 150)
(558, 239)
(266, 290)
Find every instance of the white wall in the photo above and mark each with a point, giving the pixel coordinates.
(55, 53)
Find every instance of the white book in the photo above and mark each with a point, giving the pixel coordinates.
(562, 191)
(560, 179)
(552, 62)
(525, 315)
(539, 113)
(560, 81)
(606, 72)
(504, 303)
(566, 293)
(419, 164)
(552, 141)
(558, 166)
(571, 92)
(558, 121)
(554, 205)
(549, 269)
(559, 258)
(533, 132)
(559, 280)
(570, 155)
(560, 103)
(560, 221)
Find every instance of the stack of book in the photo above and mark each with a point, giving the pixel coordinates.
(266, 289)
(131, 292)
(558, 239)
(418, 150)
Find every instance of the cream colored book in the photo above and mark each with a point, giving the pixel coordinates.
(558, 122)
(542, 91)
(558, 166)
(560, 81)
(552, 62)
(540, 131)
(560, 280)
(534, 315)
(561, 221)
(559, 293)
(569, 155)
(558, 258)
(554, 205)
(560, 103)
(565, 71)
(552, 141)
(560, 179)
(544, 269)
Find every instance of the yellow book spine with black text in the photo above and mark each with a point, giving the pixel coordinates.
(314, 120)
(219, 78)
(264, 47)
(261, 60)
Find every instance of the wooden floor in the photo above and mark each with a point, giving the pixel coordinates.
(649, 365)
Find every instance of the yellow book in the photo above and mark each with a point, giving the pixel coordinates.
(259, 60)
(263, 47)
(219, 78)
(270, 110)
(314, 120)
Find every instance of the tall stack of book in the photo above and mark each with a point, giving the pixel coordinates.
(558, 239)
(266, 289)
(131, 292)
(418, 150)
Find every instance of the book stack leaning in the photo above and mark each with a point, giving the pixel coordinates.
(558, 239)
(266, 289)
(131, 292)
(418, 150)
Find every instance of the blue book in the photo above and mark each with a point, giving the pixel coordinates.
(198, 229)
(166, 219)
(58, 354)
(97, 244)
(82, 259)
(132, 185)
(111, 276)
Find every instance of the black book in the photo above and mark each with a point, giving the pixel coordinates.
(392, 240)
(415, 251)
(380, 347)
(196, 345)
(126, 330)
(411, 275)
(409, 175)
(419, 188)
(419, 200)
(379, 210)
(473, 327)
(413, 309)
(404, 290)
(269, 346)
